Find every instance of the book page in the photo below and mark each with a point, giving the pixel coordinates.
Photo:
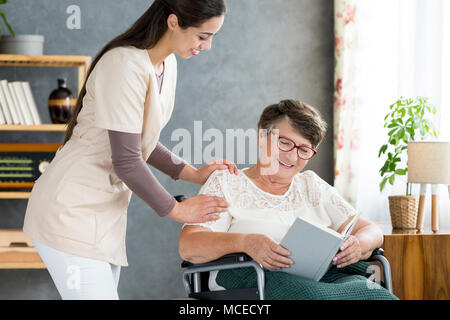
(348, 229)
(326, 229)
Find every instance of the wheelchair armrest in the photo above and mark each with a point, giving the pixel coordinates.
(180, 198)
(229, 258)
(242, 257)
(230, 261)
(378, 256)
(376, 252)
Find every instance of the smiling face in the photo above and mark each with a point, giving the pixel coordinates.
(191, 41)
(284, 165)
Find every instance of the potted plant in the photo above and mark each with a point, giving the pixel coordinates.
(5, 21)
(27, 44)
(407, 120)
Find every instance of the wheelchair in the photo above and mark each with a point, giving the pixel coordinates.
(195, 276)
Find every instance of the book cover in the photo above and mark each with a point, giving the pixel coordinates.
(31, 103)
(5, 109)
(313, 247)
(2, 118)
(22, 102)
(9, 101)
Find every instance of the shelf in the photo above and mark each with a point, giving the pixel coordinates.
(14, 195)
(16, 60)
(81, 62)
(36, 128)
(17, 251)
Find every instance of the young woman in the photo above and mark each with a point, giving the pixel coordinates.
(77, 211)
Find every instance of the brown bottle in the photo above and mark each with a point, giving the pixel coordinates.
(61, 103)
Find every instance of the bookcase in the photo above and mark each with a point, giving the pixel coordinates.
(16, 249)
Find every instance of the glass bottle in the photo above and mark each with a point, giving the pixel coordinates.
(61, 103)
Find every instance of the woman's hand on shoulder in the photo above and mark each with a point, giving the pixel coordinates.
(198, 209)
(218, 164)
(266, 252)
(199, 176)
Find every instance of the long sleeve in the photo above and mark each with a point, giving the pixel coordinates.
(132, 169)
(166, 161)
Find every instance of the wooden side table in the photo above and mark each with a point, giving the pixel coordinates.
(420, 262)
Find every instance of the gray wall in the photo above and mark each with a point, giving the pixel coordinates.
(267, 50)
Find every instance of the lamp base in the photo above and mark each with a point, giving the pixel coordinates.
(434, 213)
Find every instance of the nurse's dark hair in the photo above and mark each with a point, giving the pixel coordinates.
(305, 119)
(149, 29)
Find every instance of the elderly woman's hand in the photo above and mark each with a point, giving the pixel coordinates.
(350, 252)
(266, 252)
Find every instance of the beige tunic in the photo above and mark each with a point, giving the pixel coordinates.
(79, 205)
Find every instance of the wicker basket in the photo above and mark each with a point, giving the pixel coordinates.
(404, 211)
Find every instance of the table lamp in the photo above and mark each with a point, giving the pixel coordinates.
(429, 163)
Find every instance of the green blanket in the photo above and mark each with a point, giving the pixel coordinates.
(349, 283)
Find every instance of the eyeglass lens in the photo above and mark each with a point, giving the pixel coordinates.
(287, 145)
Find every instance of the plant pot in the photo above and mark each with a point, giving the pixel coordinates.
(403, 211)
(26, 44)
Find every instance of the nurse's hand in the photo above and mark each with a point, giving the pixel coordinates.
(218, 164)
(199, 176)
(200, 208)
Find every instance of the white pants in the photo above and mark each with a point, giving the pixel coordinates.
(79, 278)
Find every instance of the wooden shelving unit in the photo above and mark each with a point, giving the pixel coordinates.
(80, 62)
(16, 249)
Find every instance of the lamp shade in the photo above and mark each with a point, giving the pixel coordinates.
(429, 162)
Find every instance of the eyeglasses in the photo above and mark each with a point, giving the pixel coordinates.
(287, 145)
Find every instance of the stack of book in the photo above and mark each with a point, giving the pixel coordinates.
(17, 105)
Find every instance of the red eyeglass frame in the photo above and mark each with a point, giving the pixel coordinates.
(295, 146)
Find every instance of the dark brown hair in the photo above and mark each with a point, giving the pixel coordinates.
(305, 119)
(149, 29)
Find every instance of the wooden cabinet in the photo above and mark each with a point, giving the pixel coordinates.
(420, 263)
(16, 249)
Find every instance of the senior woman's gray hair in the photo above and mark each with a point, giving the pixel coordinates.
(304, 118)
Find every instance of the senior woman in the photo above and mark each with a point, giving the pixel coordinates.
(264, 202)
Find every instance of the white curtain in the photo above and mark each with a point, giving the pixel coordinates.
(399, 48)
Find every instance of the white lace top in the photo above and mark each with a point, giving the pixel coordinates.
(253, 210)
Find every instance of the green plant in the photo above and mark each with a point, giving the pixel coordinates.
(2, 14)
(407, 119)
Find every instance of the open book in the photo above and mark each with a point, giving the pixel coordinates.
(313, 247)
